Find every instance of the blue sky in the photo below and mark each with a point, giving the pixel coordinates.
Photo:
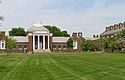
(87, 16)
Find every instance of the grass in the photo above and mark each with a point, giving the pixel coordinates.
(73, 66)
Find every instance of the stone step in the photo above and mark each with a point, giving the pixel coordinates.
(41, 50)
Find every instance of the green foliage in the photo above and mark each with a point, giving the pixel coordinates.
(109, 44)
(10, 44)
(57, 32)
(17, 32)
(88, 45)
(121, 34)
(121, 40)
(70, 43)
(1, 34)
(65, 34)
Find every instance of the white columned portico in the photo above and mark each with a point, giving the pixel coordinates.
(43, 41)
(38, 42)
(43, 34)
(48, 42)
(33, 42)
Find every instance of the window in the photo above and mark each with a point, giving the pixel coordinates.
(54, 46)
(20, 46)
(25, 46)
(2, 44)
(59, 46)
(64, 46)
(74, 45)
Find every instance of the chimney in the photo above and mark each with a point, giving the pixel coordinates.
(111, 28)
(79, 34)
(2, 33)
(74, 37)
(107, 28)
(94, 36)
(121, 25)
(97, 36)
(115, 26)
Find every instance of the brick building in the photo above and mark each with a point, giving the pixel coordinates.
(113, 30)
(39, 39)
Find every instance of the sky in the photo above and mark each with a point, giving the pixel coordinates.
(87, 16)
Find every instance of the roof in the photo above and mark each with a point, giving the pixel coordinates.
(37, 27)
(87, 38)
(112, 32)
(19, 38)
(60, 39)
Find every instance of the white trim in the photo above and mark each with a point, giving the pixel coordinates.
(33, 42)
(75, 45)
(48, 42)
(43, 42)
(38, 42)
(41, 32)
(2, 44)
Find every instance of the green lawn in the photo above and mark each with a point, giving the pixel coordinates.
(77, 66)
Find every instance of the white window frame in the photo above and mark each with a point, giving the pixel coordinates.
(2, 44)
(75, 45)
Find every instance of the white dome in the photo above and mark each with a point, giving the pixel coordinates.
(37, 27)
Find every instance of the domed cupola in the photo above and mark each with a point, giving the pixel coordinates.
(37, 27)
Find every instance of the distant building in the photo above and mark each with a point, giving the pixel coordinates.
(39, 39)
(113, 30)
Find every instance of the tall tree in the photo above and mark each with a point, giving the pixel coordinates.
(70, 43)
(57, 32)
(109, 44)
(88, 45)
(121, 39)
(10, 44)
(65, 34)
(17, 32)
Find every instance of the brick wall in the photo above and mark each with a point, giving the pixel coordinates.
(30, 44)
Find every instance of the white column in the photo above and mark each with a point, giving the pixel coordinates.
(33, 42)
(48, 42)
(43, 42)
(38, 42)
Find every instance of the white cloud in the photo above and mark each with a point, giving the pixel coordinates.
(90, 21)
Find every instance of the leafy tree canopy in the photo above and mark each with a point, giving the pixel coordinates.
(70, 43)
(109, 44)
(57, 32)
(88, 45)
(10, 44)
(17, 32)
(121, 34)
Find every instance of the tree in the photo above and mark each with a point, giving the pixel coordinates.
(109, 44)
(121, 40)
(88, 45)
(57, 32)
(49, 28)
(17, 32)
(70, 43)
(65, 34)
(10, 44)
(121, 34)
(105, 44)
